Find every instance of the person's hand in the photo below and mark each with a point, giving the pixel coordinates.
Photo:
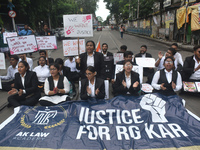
(162, 86)
(108, 79)
(173, 85)
(55, 90)
(135, 84)
(20, 92)
(124, 83)
(97, 91)
(12, 85)
(160, 55)
(78, 60)
(113, 81)
(13, 91)
(89, 91)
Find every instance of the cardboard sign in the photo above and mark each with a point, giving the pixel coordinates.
(8, 34)
(147, 88)
(145, 62)
(138, 69)
(189, 86)
(70, 47)
(2, 61)
(78, 25)
(46, 42)
(22, 44)
(198, 86)
(118, 57)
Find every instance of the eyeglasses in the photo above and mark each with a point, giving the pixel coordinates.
(168, 62)
(53, 69)
(88, 74)
(128, 65)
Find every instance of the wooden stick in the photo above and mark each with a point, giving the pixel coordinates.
(78, 47)
(47, 57)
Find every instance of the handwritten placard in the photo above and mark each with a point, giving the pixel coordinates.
(138, 69)
(78, 25)
(147, 88)
(118, 57)
(2, 61)
(46, 42)
(70, 47)
(145, 62)
(22, 44)
(8, 34)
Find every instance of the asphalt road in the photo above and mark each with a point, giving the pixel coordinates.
(112, 38)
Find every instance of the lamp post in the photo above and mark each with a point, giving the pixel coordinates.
(11, 6)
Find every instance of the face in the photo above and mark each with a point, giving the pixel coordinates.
(175, 47)
(42, 61)
(45, 27)
(26, 27)
(104, 48)
(21, 56)
(169, 53)
(13, 62)
(90, 75)
(143, 50)
(128, 67)
(168, 64)
(123, 50)
(54, 71)
(129, 57)
(197, 54)
(42, 54)
(89, 47)
(21, 68)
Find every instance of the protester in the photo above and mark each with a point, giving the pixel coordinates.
(127, 82)
(90, 58)
(128, 55)
(4, 47)
(65, 71)
(45, 31)
(177, 55)
(25, 91)
(92, 87)
(122, 31)
(42, 72)
(123, 48)
(167, 81)
(12, 69)
(22, 57)
(44, 54)
(56, 88)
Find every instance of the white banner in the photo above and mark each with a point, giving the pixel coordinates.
(78, 25)
(145, 62)
(2, 61)
(46, 42)
(8, 34)
(118, 57)
(70, 47)
(138, 69)
(22, 44)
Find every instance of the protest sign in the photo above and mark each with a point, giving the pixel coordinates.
(78, 25)
(145, 62)
(118, 57)
(189, 86)
(2, 61)
(46, 42)
(0, 84)
(138, 69)
(147, 88)
(22, 44)
(70, 47)
(8, 34)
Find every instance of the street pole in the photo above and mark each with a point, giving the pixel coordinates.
(13, 22)
(186, 6)
(10, 5)
(138, 8)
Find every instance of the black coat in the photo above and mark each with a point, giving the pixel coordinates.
(188, 68)
(118, 88)
(140, 55)
(109, 66)
(99, 83)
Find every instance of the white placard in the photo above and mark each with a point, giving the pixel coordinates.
(22, 44)
(118, 57)
(147, 88)
(138, 69)
(145, 62)
(0, 84)
(46, 42)
(78, 25)
(2, 61)
(70, 47)
(8, 34)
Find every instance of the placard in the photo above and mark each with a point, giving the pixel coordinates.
(118, 57)
(70, 47)
(22, 44)
(78, 25)
(189, 86)
(0, 84)
(198, 86)
(2, 61)
(8, 34)
(138, 69)
(145, 62)
(147, 88)
(46, 42)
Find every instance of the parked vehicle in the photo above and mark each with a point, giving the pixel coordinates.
(99, 28)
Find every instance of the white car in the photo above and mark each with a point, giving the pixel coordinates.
(60, 34)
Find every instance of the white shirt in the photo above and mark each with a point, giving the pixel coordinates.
(196, 74)
(90, 60)
(10, 73)
(29, 61)
(92, 87)
(71, 64)
(104, 54)
(143, 55)
(156, 77)
(128, 82)
(23, 80)
(65, 83)
(42, 72)
(179, 58)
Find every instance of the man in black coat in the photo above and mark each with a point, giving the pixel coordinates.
(44, 54)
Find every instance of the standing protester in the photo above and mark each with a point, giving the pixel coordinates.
(4, 47)
(123, 48)
(12, 69)
(45, 31)
(122, 31)
(128, 55)
(28, 60)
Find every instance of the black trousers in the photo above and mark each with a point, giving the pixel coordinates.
(6, 86)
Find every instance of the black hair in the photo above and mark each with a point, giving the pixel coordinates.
(43, 58)
(127, 53)
(169, 57)
(105, 44)
(55, 65)
(15, 57)
(45, 24)
(25, 64)
(91, 69)
(127, 61)
(123, 47)
(91, 42)
(143, 46)
(172, 50)
(59, 61)
(42, 51)
(196, 47)
(121, 25)
(175, 44)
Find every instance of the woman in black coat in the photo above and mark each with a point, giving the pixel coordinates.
(127, 82)
(25, 91)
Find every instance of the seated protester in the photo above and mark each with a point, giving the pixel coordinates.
(167, 81)
(25, 91)
(28, 60)
(92, 87)
(44, 54)
(191, 67)
(177, 55)
(56, 88)
(128, 55)
(127, 82)
(42, 72)
(160, 61)
(12, 69)
(65, 71)
(123, 48)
